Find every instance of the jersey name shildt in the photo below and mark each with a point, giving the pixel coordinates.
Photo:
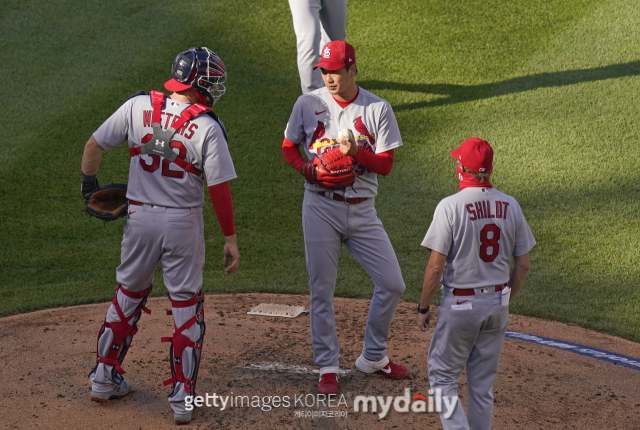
(483, 209)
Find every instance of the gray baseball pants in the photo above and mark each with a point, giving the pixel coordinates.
(174, 237)
(327, 224)
(315, 22)
(471, 337)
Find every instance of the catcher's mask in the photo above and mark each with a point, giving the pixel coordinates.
(200, 69)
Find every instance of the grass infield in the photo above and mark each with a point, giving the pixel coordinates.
(552, 85)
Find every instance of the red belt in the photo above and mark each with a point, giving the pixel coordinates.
(133, 202)
(339, 198)
(470, 291)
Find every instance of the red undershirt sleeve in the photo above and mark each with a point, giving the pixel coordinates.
(291, 152)
(223, 206)
(376, 163)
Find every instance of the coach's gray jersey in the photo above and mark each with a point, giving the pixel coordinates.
(156, 180)
(478, 229)
(316, 119)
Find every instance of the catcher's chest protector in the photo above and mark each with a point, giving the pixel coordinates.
(159, 144)
(123, 330)
(179, 342)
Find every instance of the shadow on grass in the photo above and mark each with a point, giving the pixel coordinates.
(467, 93)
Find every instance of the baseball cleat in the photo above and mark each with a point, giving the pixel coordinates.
(394, 371)
(328, 384)
(118, 391)
(182, 419)
(384, 367)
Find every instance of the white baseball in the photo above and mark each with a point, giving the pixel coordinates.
(345, 132)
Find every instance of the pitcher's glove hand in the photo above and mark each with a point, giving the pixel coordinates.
(108, 202)
(332, 169)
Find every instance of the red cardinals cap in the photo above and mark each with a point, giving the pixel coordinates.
(475, 154)
(336, 55)
(175, 86)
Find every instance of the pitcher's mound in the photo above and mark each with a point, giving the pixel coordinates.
(267, 362)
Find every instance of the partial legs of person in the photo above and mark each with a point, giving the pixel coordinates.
(139, 257)
(182, 264)
(310, 18)
(472, 338)
(482, 369)
(321, 223)
(369, 243)
(114, 339)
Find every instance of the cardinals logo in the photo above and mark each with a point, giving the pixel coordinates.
(364, 131)
(317, 135)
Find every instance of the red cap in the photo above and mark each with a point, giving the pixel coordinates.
(475, 154)
(336, 55)
(175, 86)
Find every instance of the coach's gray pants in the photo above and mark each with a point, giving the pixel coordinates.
(327, 224)
(310, 18)
(471, 337)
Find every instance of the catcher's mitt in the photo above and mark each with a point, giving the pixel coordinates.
(108, 203)
(334, 169)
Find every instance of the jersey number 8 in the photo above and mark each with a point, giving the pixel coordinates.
(489, 242)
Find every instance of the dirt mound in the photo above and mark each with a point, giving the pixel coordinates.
(47, 356)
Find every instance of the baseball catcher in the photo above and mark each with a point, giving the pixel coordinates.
(175, 142)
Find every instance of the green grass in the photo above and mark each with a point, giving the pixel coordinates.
(552, 85)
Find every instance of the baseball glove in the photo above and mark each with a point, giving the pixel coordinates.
(108, 203)
(332, 169)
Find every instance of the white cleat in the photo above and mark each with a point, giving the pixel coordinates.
(118, 391)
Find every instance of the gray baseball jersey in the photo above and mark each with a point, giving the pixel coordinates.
(315, 23)
(479, 230)
(156, 180)
(316, 119)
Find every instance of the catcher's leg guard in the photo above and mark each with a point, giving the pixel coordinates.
(114, 339)
(186, 350)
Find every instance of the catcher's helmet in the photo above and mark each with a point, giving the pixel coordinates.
(200, 69)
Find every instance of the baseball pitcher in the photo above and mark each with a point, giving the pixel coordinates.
(472, 238)
(174, 143)
(348, 135)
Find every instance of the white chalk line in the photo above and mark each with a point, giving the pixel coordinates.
(288, 369)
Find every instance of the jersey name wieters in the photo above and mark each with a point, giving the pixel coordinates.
(155, 180)
(317, 118)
